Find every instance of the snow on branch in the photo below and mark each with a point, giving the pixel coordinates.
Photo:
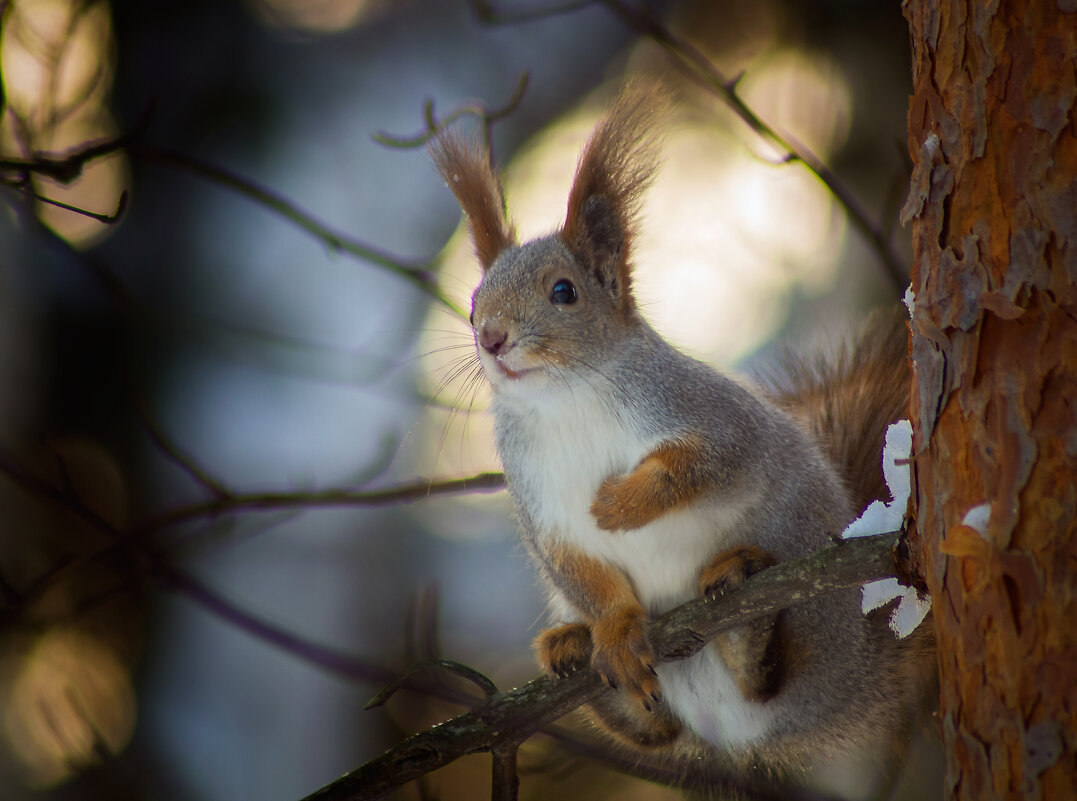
(879, 517)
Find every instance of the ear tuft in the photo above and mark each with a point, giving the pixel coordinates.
(616, 167)
(468, 173)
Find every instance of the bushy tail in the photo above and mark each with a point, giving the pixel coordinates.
(846, 399)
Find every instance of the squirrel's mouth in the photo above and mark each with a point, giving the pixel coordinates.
(508, 372)
(514, 374)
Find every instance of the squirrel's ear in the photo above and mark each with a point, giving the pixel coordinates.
(616, 166)
(471, 178)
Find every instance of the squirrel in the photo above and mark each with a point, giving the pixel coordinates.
(643, 478)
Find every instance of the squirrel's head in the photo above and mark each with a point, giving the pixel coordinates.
(562, 302)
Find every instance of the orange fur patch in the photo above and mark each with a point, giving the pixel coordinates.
(564, 649)
(623, 655)
(620, 650)
(593, 585)
(669, 477)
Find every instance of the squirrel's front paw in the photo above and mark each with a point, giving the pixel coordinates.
(623, 656)
(624, 503)
(669, 477)
(565, 649)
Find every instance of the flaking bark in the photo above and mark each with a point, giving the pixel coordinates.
(993, 207)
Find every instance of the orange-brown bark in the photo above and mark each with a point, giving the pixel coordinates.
(993, 206)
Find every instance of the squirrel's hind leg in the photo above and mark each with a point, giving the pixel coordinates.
(615, 634)
(622, 717)
(567, 648)
(754, 652)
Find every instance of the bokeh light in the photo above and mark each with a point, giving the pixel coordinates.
(56, 58)
(67, 703)
(316, 16)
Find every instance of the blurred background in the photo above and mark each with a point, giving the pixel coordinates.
(187, 611)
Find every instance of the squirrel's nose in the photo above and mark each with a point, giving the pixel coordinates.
(492, 337)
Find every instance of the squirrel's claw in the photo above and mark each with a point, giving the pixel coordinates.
(730, 569)
(623, 656)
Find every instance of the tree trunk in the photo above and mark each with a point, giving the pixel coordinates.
(993, 205)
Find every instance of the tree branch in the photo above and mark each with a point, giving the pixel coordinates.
(417, 274)
(489, 12)
(509, 718)
(433, 126)
(105, 218)
(68, 168)
(264, 501)
(222, 503)
(329, 659)
(702, 70)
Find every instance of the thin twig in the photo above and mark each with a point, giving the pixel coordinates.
(433, 126)
(106, 219)
(480, 680)
(513, 716)
(35, 485)
(238, 503)
(172, 451)
(228, 504)
(488, 12)
(701, 69)
(418, 274)
(328, 659)
(68, 167)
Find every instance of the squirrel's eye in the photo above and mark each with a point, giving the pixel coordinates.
(471, 317)
(563, 292)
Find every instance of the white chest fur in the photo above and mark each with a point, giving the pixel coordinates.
(557, 447)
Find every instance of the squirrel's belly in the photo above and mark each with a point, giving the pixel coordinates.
(664, 560)
(702, 694)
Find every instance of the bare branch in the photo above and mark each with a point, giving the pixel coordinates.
(506, 783)
(702, 70)
(63, 498)
(106, 219)
(171, 450)
(420, 275)
(223, 503)
(328, 659)
(509, 718)
(249, 502)
(489, 12)
(433, 126)
(68, 168)
(464, 671)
